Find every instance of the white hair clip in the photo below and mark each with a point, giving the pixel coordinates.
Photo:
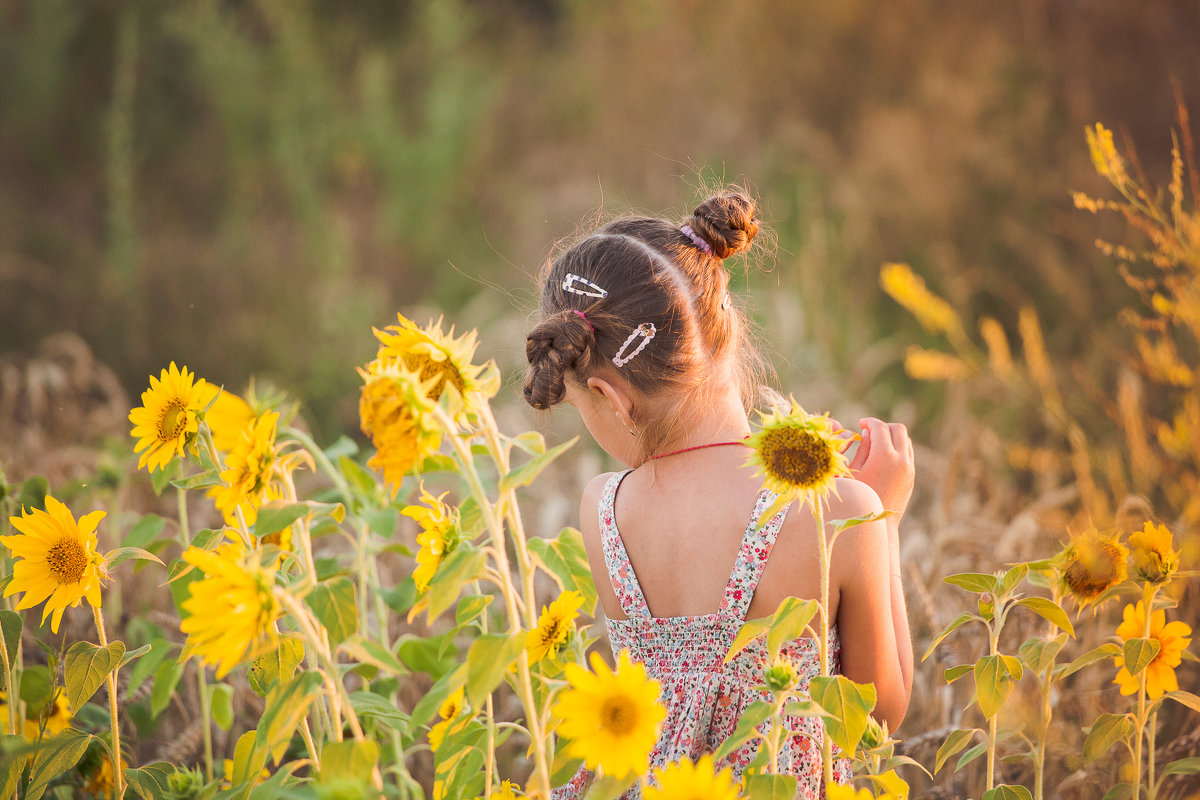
(572, 283)
(646, 332)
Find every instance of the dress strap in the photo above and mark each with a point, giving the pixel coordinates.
(620, 570)
(752, 557)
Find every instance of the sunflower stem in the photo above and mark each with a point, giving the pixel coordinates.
(8, 693)
(111, 679)
(205, 720)
(823, 549)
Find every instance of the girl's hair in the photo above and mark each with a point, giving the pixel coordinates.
(652, 272)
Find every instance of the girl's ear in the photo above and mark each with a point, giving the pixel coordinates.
(616, 395)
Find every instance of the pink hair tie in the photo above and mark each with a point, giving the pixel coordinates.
(696, 240)
(581, 315)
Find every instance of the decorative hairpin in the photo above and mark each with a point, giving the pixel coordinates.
(696, 239)
(572, 283)
(726, 302)
(646, 332)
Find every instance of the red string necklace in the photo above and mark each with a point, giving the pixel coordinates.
(697, 447)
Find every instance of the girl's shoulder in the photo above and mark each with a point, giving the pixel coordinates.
(852, 498)
(589, 504)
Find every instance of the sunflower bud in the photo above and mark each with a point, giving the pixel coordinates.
(874, 735)
(1153, 559)
(781, 675)
(185, 784)
(987, 606)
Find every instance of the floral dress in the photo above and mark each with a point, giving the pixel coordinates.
(704, 697)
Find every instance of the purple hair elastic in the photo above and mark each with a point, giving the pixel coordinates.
(581, 315)
(696, 240)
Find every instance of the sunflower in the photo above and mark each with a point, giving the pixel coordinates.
(165, 424)
(439, 356)
(450, 710)
(58, 559)
(798, 454)
(781, 675)
(29, 728)
(395, 411)
(100, 783)
(226, 414)
(1172, 639)
(1153, 559)
(508, 791)
(231, 610)
(248, 471)
(685, 780)
(554, 626)
(1092, 564)
(611, 717)
(58, 714)
(439, 535)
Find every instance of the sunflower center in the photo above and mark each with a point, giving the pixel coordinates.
(67, 560)
(618, 715)
(174, 419)
(1093, 570)
(797, 457)
(444, 370)
(551, 631)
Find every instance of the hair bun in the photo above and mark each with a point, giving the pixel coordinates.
(726, 222)
(558, 345)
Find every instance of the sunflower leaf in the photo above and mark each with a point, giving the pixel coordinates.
(848, 702)
(770, 787)
(87, 666)
(1186, 698)
(565, 558)
(993, 684)
(488, 661)
(150, 781)
(955, 742)
(961, 620)
(755, 714)
(1038, 653)
(333, 602)
(1049, 610)
(201, 480)
(120, 555)
(1106, 650)
(1139, 653)
(527, 473)
(286, 705)
(789, 622)
(55, 757)
(977, 582)
(1107, 730)
(348, 759)
(11, 624)
(749, 632)
(1007, 792)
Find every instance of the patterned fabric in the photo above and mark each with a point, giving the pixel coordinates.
(704, 697)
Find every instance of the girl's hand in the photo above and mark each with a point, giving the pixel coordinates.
(884, 461)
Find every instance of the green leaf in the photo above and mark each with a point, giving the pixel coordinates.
(160, 648)
(55, 757)
(166, 678)
(839, 525)
(969, 756)
(1049, 610)
(754, 715)
(1107, 650)
(789, 622)
(1012, 579)
(992, 684)
(333, 602)
(471, 607)
(113, 558)
(1122, 791)
(359, 478)
(369, 651)
(487, 661)
(348, 759)
(961, 620)
(955, 742)
(144, 531)
(151, 781)
(442, 688)
(977, 582)
(527, 473)
(1007, 792)
(1038, 652)
(1139, 653)
(249, 758)
(201, 480)
(565, 558)
(531, 442)
(465, 564)
(1182, 766)
(369, 705)
(37, 687)
(1186, 698)
(848, 702)
(276, 666)
(1107, 730)
(749, 632)
(286, 705)
(770, 787)
(13, 760)
(954, 673)
(273, 519)
(1013, 665)
(11, 624)
(87, 665)
(220, 699)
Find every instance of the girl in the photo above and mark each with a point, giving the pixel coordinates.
(639, 333)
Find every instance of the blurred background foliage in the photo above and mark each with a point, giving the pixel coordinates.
(245, 187)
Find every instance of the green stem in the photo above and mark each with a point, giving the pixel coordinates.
(994, 649)
(322, 461)
(823, 644)
(205, 720)
(118, 768)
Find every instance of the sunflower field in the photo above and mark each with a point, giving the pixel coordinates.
(254, 547)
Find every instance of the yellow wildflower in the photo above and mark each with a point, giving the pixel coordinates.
(907, 289)
(1172, 639)
(554, 626)
(611, 717)
(57, 560)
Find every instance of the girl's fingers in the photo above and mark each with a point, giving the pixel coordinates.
(864, 450)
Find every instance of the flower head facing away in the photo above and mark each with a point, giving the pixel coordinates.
(798, 454)
(1172, 639)
(231, 610)
(249, 469)
(395, 411)
(1092, 564)
(610, 716)
(57, 559)
(166, 423)
(439, 358)
(1153, 559)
